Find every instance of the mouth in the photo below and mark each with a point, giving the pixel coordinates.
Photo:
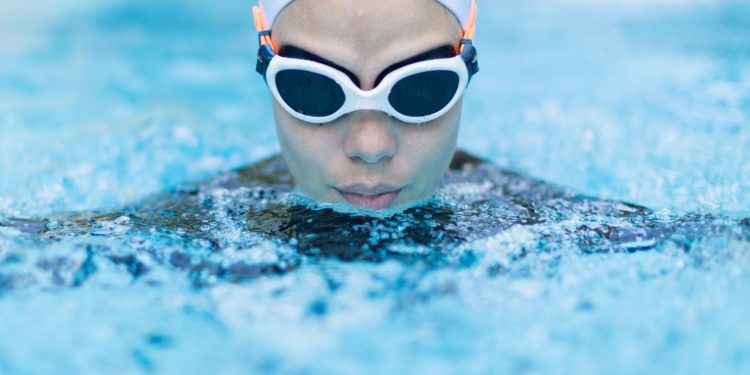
(379, 197)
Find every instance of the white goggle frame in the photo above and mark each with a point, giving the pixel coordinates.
(376, 99)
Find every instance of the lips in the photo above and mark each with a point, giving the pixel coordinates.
(376, 198)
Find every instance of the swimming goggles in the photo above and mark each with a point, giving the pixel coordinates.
(317, 93)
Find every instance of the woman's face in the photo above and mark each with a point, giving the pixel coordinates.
(367, 158)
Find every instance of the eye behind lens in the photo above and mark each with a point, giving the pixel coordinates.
(424, 93)
(309, 93)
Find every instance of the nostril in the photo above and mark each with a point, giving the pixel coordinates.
(371, 139)
(370, 158)
(371, 152)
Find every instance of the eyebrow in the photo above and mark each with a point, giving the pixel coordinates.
(440, 52)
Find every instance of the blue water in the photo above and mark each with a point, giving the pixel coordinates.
(103, 103)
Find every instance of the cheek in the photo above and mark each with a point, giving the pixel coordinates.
(434, 144)
(306, 148)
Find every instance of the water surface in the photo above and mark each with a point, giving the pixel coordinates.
(104, 104)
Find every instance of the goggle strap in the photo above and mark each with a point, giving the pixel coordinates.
(471, 25)
(264, 32)
(261, 35)
(265, 54)
(469, 55)
(266, 50)
(467, 49)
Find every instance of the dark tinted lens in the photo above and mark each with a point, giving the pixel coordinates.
(424, 93)
(310, 93)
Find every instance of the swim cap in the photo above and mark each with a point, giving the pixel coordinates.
(462, 9)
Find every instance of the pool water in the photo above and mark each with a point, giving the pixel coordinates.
(105, 103)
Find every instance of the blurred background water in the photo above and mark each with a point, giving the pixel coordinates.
(105, 102)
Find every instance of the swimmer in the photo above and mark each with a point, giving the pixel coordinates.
(367, 95)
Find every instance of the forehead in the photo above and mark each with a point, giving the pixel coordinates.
(366, 36)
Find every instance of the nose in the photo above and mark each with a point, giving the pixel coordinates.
(369, 138)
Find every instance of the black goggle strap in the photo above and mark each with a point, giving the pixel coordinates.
(265, 54)
(469, 56)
